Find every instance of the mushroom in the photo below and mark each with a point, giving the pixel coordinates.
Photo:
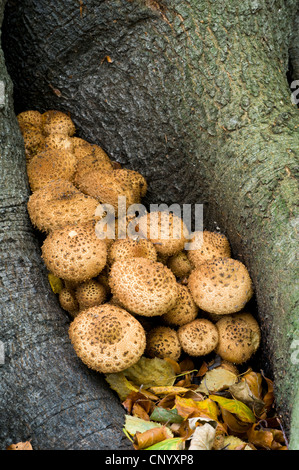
(221, 286)
(184, 311)
(163, 342)
(57, 122)
(68, 301)
(90, 293)
(50, 165)
(90, 163)
(31, 119)
(129, 248)
(165, 230)
(33, 142)
(59, 142)
(143, 286)
(239, 337)
(107, 338)
(74, 253)
(199, 337)
(50, 209)
(134, 178)
(180, 264)
(208, 245)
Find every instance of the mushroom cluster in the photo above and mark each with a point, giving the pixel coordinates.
(144, 293)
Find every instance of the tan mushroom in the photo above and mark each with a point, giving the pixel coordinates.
(68, 301)
(221, 286)
(163, 342)
(143, 286)
(184, 311)
(90, 293)
(208, 245)
(57, 122)
(199, 337)
(129, 248)
(31, 119)
(239, 337)
(74, 253)
(180, 265)
(107, 338)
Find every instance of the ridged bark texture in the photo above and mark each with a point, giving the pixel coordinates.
(195, 96)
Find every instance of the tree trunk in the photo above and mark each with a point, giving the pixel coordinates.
(195, 96)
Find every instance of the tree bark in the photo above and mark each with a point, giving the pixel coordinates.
(195, 97)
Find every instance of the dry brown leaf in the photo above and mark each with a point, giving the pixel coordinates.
(142, 440)
(20, 446)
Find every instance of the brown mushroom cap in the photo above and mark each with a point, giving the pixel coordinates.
(199, 337)
(74, 253)
(180, 264)
(90, 293)
(59, 142)
(129, 248)
(143, 286)
(90, 163)
(184, 311)
(208, 245)
(221, 286)
(57, 122)
(106, 188)
(107, 338)
(68, 301)
(165, 230)
(163, 342)
(30, 119)
(50, 209)
(134, 178)
(50, 165)
(33, 142)
(239, 337)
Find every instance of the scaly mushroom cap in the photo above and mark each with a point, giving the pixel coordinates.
(33, 142)
(163, 342)
(70, 208)
(84, 149)
(90, 293)
(74, 253)
(68, 301)
(221, 286)
(107, 338)
(199, 337)
(57, 122)
(239, 337)
(184, 311)
(50, 165)
(90, 163)
(208, 245)
(180, 264)
(134, 178)
(143, 286)
(59, 142)
(103, 186)
(165, 230)
(30, 120)
(129, 248)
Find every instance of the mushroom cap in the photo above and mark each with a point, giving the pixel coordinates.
(163, 342)
(239, 337)
(106, 188)
(165, 230)
(143, 286)
(50, 209)
(57, 122)
(180, 264)
(68, 301)
(134, 178)
(90, 163)
(208, 245)
(90, 293)
(131, 248)
(30, 119)
(50, 165)
(33, 142)
(199, 337)
(107, 338)
(221, 286)
(185, 309)
(59, 142)
(84, 149)
(74, 253)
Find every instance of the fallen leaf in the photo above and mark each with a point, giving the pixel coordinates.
(234, 424)
(216, 380)
(55, 283)
(167, 390)
(203, 437)
(149, 373)
(165, 416)
(20, 446)
(134, 424)
(242, 392)
(148, 438)
(176, 443)
(187, 407)
(236, 407)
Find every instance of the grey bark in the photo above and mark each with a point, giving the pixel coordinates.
(196, 98)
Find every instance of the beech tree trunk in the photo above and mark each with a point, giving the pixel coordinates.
(192, 94)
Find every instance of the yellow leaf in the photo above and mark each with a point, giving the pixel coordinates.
(187, 406)
(167, 390)
(55, 283)
(236, 407)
